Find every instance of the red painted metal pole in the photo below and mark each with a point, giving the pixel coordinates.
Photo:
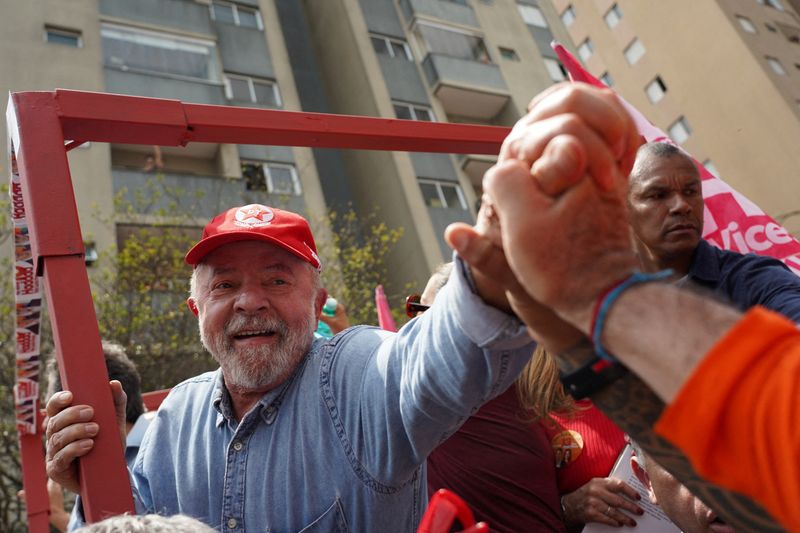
(34, 479)
(133, 119)
(58, 254)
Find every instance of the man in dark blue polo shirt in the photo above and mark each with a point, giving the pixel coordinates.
(665, 205)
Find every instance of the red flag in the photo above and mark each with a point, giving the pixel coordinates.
(730, 220)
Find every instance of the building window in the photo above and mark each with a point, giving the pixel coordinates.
(413, 112)
(127, 48)
(776, 66)
(634, 51)
(453, 43)
(253, 90)
(568, 16)
(607, 79)
(508, 53)
(655, 90)
(613, 16)
(746, 24)
(709, 165)
(391, 47)
(770, 27)
(229, 13)
(275, 178)
(442, 194)
(680, 130)
(554, 68)
(63, 36)
(586, 49)
(532, 15)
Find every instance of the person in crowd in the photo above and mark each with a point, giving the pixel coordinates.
(500, 461)
(586, 445)
(681, 506)
(730, 381)
(291, 432)
(665, 210)
(119, 368)
(149, 523)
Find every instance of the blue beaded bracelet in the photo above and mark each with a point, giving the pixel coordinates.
(608, 300)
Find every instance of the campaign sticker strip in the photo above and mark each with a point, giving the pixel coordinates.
(28, 312)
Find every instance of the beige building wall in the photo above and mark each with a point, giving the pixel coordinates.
(31, 64)
(743, 116)
(504, 27)
(384, 179)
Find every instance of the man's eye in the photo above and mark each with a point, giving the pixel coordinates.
(279, 282)
(222, 285)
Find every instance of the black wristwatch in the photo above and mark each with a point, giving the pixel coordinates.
(591, 377)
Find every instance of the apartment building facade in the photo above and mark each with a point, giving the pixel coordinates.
(722, 77)
(476, 61)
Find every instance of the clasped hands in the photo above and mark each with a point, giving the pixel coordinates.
(552, 230)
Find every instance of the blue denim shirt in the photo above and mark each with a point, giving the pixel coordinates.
(745, 280)
(341, 445)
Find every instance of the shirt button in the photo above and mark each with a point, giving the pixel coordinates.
(231, 523)
(238, 447)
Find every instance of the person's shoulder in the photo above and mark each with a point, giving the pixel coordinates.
(748, 261)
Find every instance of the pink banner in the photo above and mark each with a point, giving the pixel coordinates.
(385, 319)
(731, 221)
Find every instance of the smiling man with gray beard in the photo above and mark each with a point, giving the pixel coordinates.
(296, 434)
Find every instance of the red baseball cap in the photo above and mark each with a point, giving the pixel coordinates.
(256, 222)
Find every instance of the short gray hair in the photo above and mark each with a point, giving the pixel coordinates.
(149, 523)
(659, 149)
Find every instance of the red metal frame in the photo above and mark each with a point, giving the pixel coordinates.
(40, 123)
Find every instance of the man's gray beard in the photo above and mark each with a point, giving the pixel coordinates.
(258, 367)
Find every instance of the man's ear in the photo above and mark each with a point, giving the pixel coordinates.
(319, 301)
(192, 305)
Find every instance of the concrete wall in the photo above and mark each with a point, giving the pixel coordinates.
(383, 180)
(23, 52)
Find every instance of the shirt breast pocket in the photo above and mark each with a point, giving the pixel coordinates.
(332, 520)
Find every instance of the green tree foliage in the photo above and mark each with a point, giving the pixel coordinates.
(354, 252)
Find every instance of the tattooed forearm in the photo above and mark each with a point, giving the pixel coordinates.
(633, 406)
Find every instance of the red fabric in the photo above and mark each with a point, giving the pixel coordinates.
(602, 442)
(737, 418)
(257, 222)
(503, 467)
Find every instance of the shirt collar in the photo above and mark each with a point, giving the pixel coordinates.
(268, 405)
(705, 266)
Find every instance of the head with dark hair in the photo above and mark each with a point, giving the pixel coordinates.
(665, 207)
(120, 368)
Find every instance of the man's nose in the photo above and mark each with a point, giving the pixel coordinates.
(679, 204)
(251, 300)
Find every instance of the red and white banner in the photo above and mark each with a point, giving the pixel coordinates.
(731, 221)
(28, 299)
